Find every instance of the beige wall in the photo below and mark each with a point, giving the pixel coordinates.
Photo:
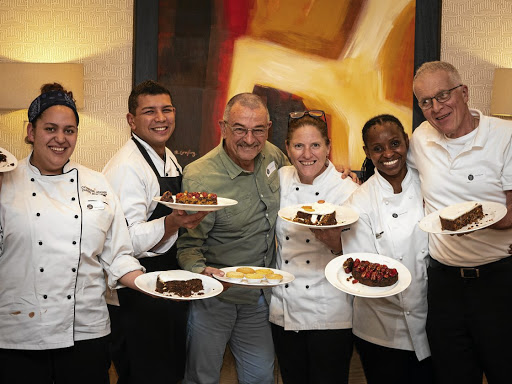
(97, 33)
(476, 37)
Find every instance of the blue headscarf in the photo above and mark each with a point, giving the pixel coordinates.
(49, 99)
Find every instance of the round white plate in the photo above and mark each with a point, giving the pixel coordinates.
(147, 283)
(344, 216)
(222, 202)
(338, 278)
(11, 162)
(493, 212)
(287, 277)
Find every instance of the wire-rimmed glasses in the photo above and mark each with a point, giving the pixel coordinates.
(441, 97)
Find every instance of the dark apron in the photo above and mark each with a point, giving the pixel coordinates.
(148, 343)
(167, 260)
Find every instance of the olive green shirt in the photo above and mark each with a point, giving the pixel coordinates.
(242, 234)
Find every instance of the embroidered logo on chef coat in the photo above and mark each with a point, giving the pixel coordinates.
(271, 168)
(93, 191)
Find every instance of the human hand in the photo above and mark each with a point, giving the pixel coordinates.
(510, 249)
(347, 172)
(210, 271)
(179, 218)
(330, 237)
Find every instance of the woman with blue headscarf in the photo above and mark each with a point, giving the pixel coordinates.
(61, 229)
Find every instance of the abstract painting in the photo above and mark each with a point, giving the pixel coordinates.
(353, 59)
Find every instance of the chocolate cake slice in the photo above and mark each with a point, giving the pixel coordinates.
(182, 288)
(370, 274)
(458, 216)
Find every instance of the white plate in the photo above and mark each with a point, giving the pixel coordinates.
(344, 216)
(336, 275)
(493, 212)
(147, 282)
(287, 277)
(11, 162)
(222, 202)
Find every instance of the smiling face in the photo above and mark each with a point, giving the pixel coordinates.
(386, 145)
(243, 150)
(451, 118)
(308, 152)
(54, 138)
(154, 120)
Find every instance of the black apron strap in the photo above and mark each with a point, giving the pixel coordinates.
(173, 184)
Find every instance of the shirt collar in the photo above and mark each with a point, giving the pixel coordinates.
(234, 169)
(481, 132)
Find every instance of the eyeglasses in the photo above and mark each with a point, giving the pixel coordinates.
(241, 132)
(316, 113)
(441, 97)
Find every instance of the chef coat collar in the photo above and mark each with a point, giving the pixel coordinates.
(148, 147)
(386, 186)
(320, 179)
(69, 166)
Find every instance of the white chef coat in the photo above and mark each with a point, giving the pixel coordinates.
(60, 233)
(481, 172)
(136, 185)
(388, 225)
(310, 301)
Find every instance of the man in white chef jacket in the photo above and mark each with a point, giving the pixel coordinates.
(462, 155)
(149, 334)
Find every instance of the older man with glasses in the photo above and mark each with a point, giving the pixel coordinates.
(462, 155)
(242, 167)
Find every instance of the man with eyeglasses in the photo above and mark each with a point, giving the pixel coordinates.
(462, 155)
(242, 167)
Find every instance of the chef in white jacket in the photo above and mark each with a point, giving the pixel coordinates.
(148, 343)
(390, 332)
(62, 228)
(311, 320)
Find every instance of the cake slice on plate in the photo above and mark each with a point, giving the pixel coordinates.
(458, 216)
(319, 213)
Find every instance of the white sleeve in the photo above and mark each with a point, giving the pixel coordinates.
(133, 187)
(117, 255)
(360, 237)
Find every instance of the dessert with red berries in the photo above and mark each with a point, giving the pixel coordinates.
(371, 274)
(203, 198)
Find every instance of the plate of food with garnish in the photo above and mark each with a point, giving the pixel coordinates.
(464, 217)
(194, 201)
(319, 215)
(368, 275)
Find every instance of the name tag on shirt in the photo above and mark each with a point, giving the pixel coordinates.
(271, 168)
(95, 204)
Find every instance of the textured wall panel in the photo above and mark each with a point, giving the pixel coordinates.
(97, 33)
(476, 37)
